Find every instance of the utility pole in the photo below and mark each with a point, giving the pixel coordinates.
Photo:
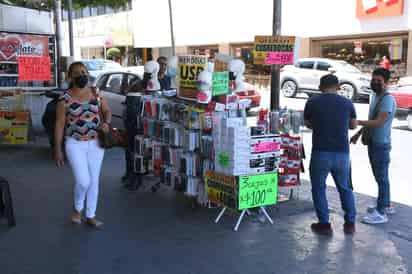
(275, 71)
(70, 21)
(171, 28)
(59, 39)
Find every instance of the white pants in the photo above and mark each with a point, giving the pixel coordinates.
(85, 158)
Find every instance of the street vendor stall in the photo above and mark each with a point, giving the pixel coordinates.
(27, 69)
(199, 140)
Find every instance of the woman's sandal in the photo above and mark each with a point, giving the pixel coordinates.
(76, 218)
(94, 223)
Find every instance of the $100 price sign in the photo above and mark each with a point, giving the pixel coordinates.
(258, 190)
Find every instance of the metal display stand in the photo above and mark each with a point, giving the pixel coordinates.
(242, 215)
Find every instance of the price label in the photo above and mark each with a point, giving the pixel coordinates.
(258, 190)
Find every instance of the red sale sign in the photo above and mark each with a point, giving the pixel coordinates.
(34, 68)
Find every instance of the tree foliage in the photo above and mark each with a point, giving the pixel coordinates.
(77, 4)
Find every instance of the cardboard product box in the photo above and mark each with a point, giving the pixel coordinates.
(14, 118)
(14, 135)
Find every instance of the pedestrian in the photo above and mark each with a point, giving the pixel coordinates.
(330, 116)
(133, 109)
(376, 134)
(80, 113)
(385, 63)
(165, 81)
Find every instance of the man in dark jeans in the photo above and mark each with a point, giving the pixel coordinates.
(381, 113)
(330, 116)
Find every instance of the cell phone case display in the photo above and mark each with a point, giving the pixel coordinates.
(180, 143)
(290, 164)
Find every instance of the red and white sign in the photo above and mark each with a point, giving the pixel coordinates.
(13, 45)
(379, 8)
(34, 68)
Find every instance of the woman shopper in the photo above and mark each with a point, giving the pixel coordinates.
(80, 113)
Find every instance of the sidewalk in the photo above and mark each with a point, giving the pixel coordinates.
(158, 233)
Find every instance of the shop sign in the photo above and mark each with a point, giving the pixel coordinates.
(13, 45)
(34, 68)
(220, 84)
(221, 189)
(258, 190)
(274, 50)
(379, 8)
(189, 67)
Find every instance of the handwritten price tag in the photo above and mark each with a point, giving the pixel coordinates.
(266, 147)
(279, 58)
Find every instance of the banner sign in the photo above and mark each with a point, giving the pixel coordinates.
(258, 190)
(274, 50)
(25, 58)
(220, 84)
(34, 68)
(221, 189)
(13, 45)
(189, 67)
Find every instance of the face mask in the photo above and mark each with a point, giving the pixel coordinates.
(81, 81)
(376, 87)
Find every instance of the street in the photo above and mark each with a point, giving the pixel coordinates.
(363, 181)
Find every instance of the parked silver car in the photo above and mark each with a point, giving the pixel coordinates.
(304, 77)
(114, 84)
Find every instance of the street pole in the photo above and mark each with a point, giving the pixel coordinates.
(275, 72)
(171, 28)
(59, 40)
(70, 17)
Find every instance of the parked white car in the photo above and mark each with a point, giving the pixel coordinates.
(98, 66)
(304, 77)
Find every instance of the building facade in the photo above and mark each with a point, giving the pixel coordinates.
(358, 31)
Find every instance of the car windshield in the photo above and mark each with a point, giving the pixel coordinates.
(94, 65)
(347, 67)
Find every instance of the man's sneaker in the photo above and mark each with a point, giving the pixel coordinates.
(390, 210)
(349, 228)
(322, 229)
(374, 217)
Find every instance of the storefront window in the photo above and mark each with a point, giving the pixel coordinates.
(208, 51)
(367, 54)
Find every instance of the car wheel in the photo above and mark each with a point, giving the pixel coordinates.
(289, 88)
(347, 90)
(409, 119)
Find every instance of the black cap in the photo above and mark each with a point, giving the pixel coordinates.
(328, 81)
